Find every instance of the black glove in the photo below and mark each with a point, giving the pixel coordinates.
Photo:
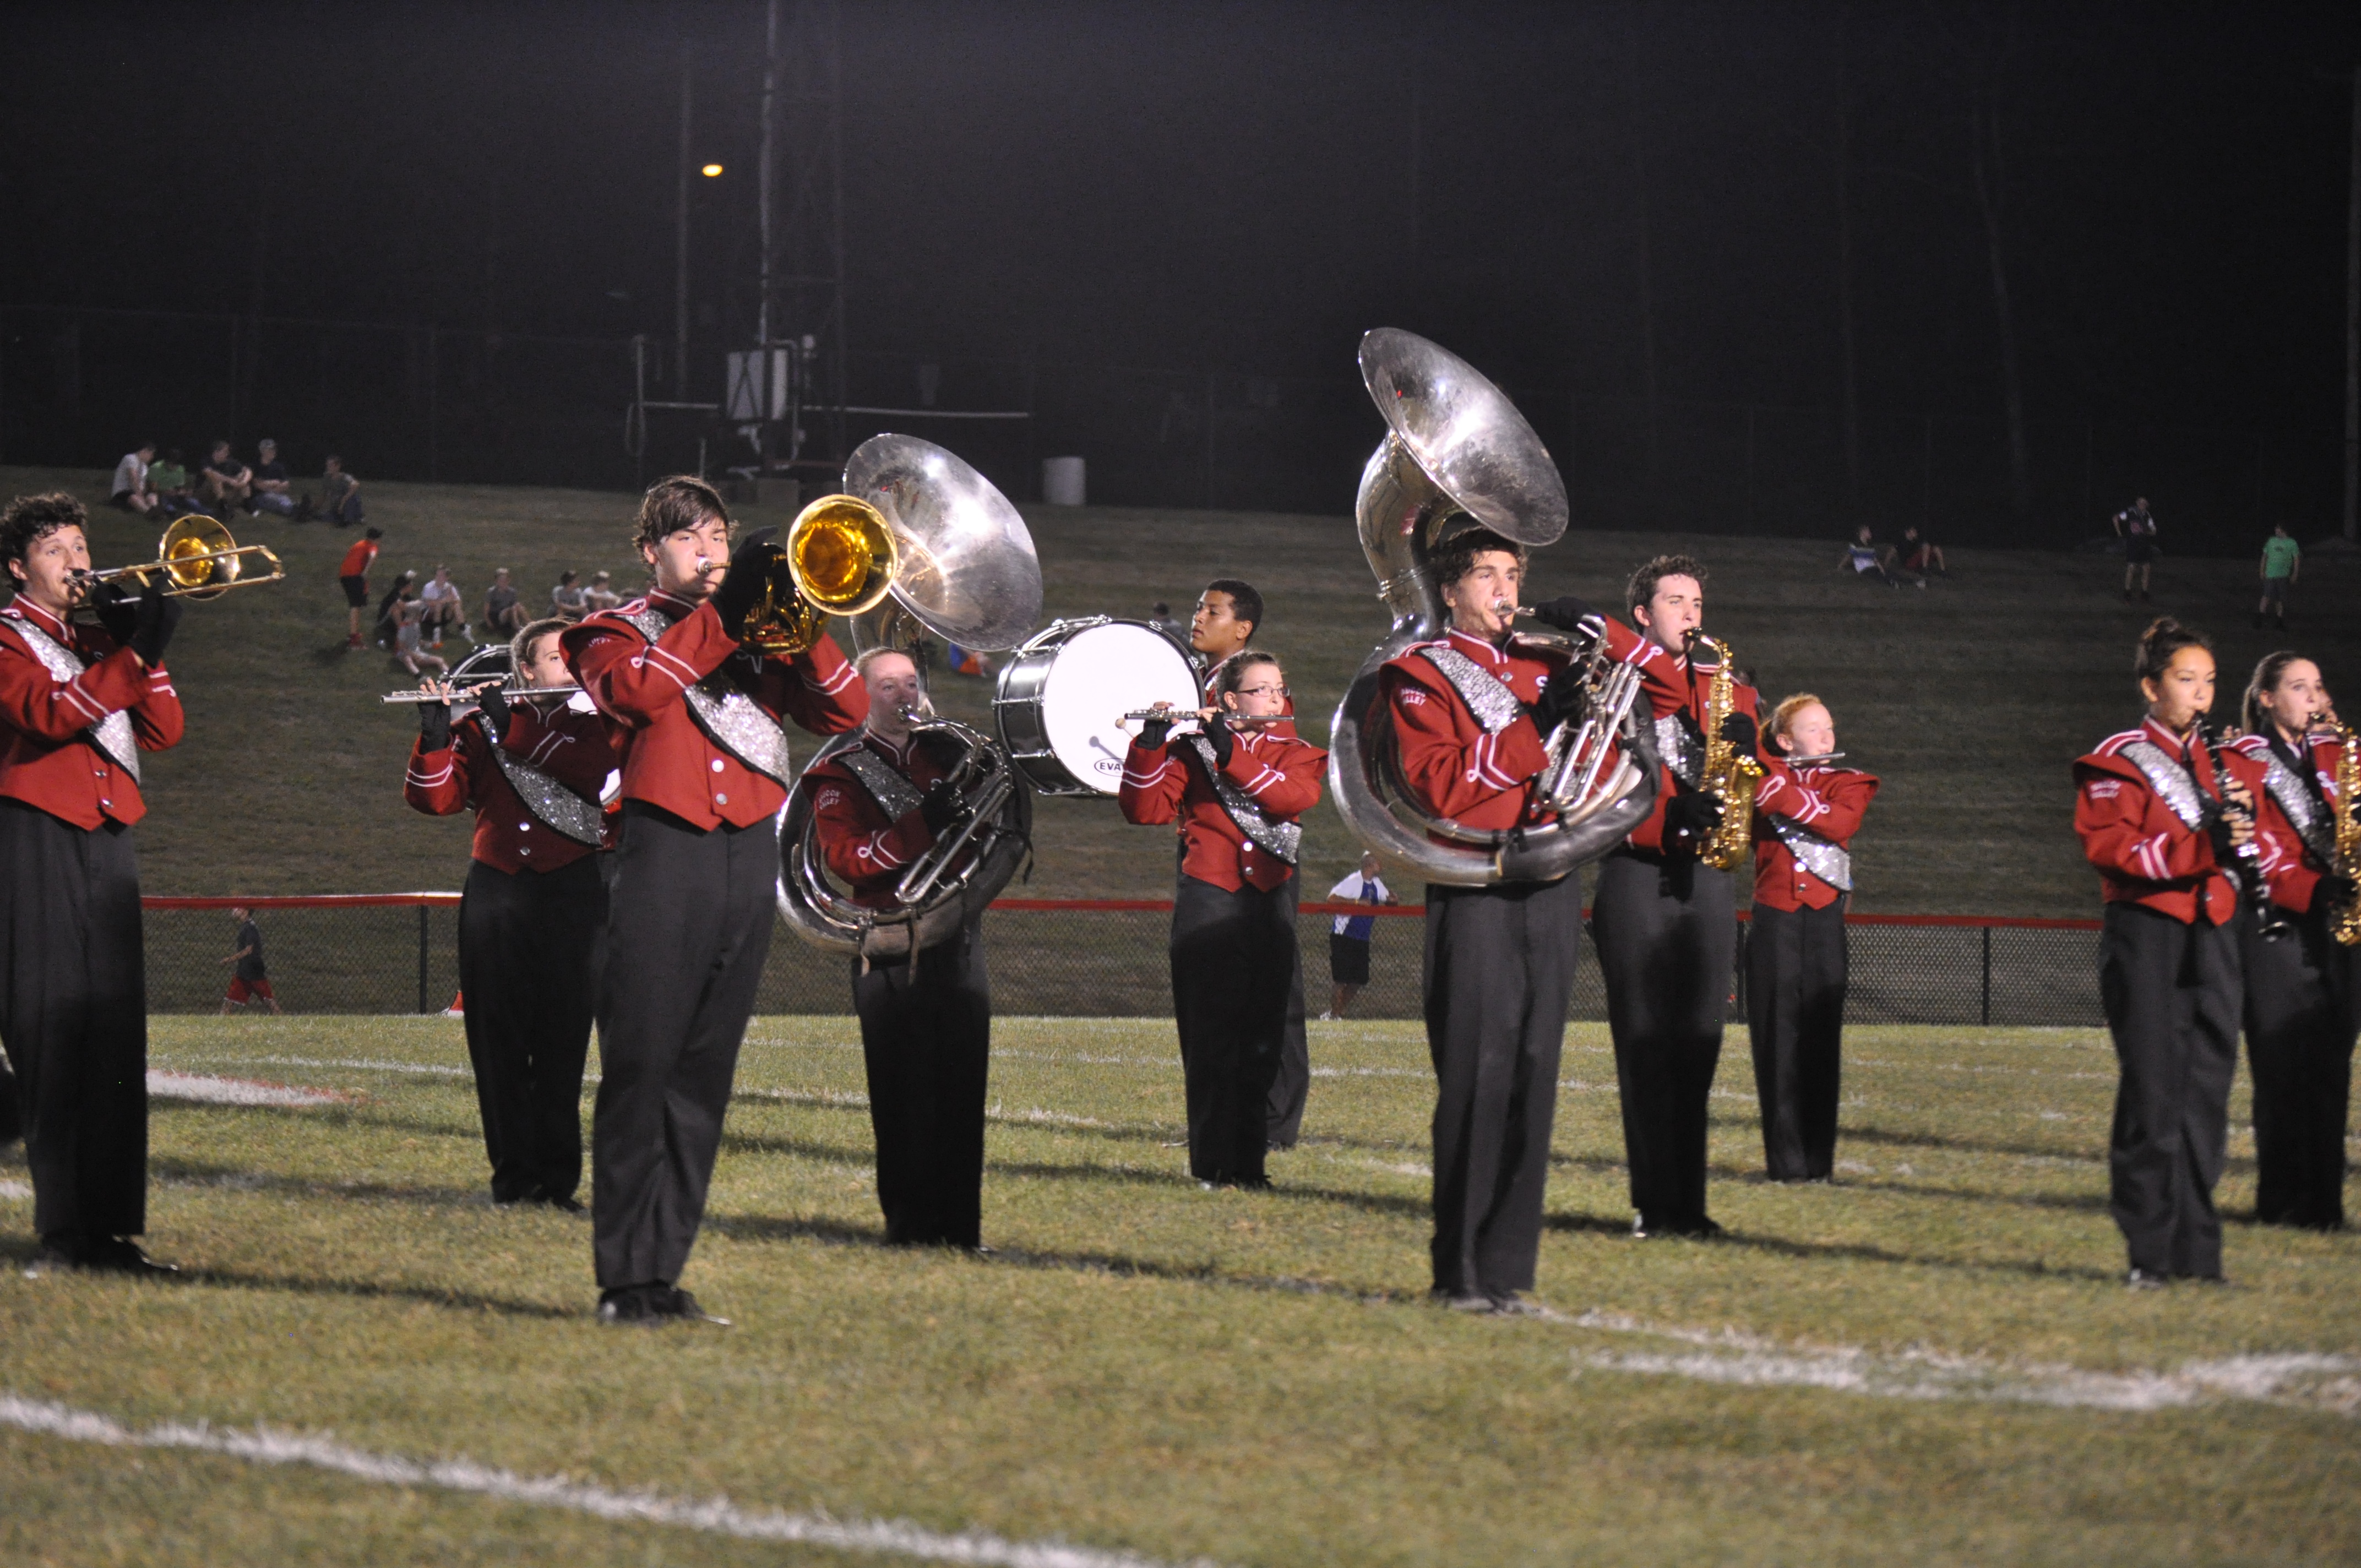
(742, 585)
(1155, 732)
(1740, 733)
(2333, 892)
(497, 713)
(1564, 612)
(156, 618)
(1560, 700)
(435, 725)
(116, 611)
(1218, 736)
(942, 807)
(1692, 814)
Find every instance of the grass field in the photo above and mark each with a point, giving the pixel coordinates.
(1971, 698)
(1931, 1361)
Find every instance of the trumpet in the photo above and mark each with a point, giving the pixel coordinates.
(199, 560)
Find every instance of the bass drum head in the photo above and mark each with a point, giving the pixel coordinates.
(1097, 675)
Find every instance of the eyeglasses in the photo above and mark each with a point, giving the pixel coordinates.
(1264, 691)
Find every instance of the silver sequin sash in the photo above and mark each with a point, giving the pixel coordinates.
(730, 719)
(2302, 810)
(1487, 696)
(894, 794)
(1284, 840)
(111, 735)
(2170, 781)
(1677, 744)
(1817, 855)
(556, 806)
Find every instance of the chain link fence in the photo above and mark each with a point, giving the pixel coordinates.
(397, 953)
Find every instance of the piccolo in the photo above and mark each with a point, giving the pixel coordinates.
(1203, 716)
(420, 694)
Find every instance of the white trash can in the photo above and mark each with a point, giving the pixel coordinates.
(1061, 481)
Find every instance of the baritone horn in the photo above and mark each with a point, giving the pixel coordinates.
(198, 560)
(839, 558)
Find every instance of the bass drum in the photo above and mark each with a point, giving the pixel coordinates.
(1062, 697)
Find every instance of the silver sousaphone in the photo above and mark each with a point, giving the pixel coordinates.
(1459, 455)
(967, 574)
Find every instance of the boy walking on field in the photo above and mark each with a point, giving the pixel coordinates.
(2282, 560)
(249, 982)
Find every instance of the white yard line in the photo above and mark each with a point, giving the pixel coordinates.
(372, 1064)
(205, 1089)
(2310, 1381)
(714, 1516)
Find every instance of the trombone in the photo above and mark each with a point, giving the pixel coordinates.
(198, 558)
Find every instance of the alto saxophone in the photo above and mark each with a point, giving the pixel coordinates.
(2344, 920)
(1729, 774)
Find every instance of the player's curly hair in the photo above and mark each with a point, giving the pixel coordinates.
(1455, 557)
(31, 518)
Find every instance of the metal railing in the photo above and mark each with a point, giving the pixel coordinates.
(397, 952)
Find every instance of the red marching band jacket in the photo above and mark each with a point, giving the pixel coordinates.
(2145, 854)
(863, 846)
(1279, 772)
(1825, 803)
(2292, 860)
(1678, 685)
(1457, 769)
(47, 756)
(570, 746)
(640, 684)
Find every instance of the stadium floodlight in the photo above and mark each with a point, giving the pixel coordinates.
(712, 171)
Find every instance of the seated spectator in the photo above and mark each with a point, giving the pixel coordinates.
(1919, 554)
(394, 595)
(169, 482)
(132, 490)
(227, 481)
(503, 615)
(270, 489)
(1864, 558)
(600, 595)
(340, 496)
(442, 607)
(407, 615)
(565, 600)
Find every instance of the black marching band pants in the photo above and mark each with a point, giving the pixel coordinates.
(926, 1034)
(1794, 1012)
(1292, 1085)
(688, 926)
(1667, 936)
(1232, 956)
(529, 950)
(74, 1017)
(2172, 997)
(1499, 970)
(2300, 1026)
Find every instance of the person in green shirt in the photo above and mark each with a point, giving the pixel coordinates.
(2282, 560)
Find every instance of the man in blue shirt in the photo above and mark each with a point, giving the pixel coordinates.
(1348, 939)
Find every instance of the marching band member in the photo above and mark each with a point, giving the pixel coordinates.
(2162, 815)
(1228, 614)
(696, 717)
(1236, 794)
(2300, 983)
(534, 909)
(925, 1018)
(1666, 925)
(1471, 715)
(78, 704)
(1806, 814)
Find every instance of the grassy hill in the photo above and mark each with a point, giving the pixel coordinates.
(1969, 699)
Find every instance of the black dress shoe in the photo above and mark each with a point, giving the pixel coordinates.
(642, 1306)
(2141, 1279)
(121, 1254)
(1516, 1304)
(562, 1205)
(681, 1306)
(59, 1250)
(1473, 1302)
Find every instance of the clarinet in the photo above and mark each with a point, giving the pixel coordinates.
(2254, 895)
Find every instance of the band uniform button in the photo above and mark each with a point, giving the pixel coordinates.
(521, 849)
(717, 764)
(720, 800)
(524, 827)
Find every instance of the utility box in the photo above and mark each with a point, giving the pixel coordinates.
(1061, 481)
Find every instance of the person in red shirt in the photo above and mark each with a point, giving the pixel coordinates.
(1499, 957)
(2162, 815)
(1228, 615)
(534, 909)
(2300, 983)
(1666, 924)
(353, 574)
(1805, 814)
(1236, 794)
(926, 1020)
(78, 704)
(698, 717)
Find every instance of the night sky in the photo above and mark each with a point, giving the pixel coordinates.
(1247, 187)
